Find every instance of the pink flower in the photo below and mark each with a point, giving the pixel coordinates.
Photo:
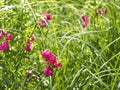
(48, 71)
(99, 11)
(45, 53)
(47, 16)
(1, 48)
(27, 47)
(84, 24)
(31, 38)
(29, 43)
(9, 36)
(1, 34)
(85, 18)
(58, 64)
(5, 45)
(50, 58)
(42, 23)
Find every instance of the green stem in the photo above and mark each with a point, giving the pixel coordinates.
(50, 81)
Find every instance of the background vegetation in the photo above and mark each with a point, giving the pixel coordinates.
(90, 56)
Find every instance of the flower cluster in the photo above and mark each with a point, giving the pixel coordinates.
(86, 20)
(42, 22)
(28, 45)
(51, 61)
(100, 11)
(5, 37)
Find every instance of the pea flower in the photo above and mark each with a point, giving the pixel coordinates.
(27, 47)
(9, 36)
(84, 24)
(86, 20)
(1, 34)
(48, 71)
(31, 38)
(58, 64)
(1, 48)
(99, 11)
(45, 53)
(4, 45)
(47, 16)
(50, 58)
(42, 23)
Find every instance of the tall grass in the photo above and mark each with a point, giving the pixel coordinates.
(90, 56)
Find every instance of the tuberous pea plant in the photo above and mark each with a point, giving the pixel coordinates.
(50, 59)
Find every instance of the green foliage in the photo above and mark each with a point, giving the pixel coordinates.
(90, 57)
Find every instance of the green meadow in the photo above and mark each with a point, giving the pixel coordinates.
(89, 55)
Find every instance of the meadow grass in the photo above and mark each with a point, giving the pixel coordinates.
(90, 56)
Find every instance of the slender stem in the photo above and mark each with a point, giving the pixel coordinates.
(50, 82)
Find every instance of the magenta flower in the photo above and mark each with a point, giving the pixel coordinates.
(47, 16)
(58, 64)
(84, 24)
(42, 23)
(1, 34)
(85, 18)
(27, 47)
(48, 71)
(5, 45)
(1, 48)
(99, 11)
(45, 53)
(29, 43)
(31, 38)
(9, 36)
(50, 58)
